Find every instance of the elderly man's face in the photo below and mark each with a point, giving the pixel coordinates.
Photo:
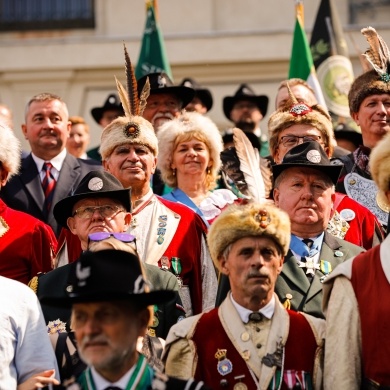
(160, 108)
(118, 222)
(132, 164)
(252, 267)
(373, 118)
(107, 333)
(307, 196)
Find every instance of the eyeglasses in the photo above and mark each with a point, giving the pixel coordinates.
(106, 211)
(290, 141)
(101, 236)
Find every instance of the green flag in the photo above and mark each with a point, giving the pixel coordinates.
(330, 54)
(301, 61)
(152, 57)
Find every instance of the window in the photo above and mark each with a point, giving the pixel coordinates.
(367, 12)
(17, 15)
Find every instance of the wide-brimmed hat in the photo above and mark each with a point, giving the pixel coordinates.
(308, 155)
(161, 83)
(245, 92)
(203, 94)
(112, 103)
(108, 275)
(95, 184)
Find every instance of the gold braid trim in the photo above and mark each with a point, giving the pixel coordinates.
(33, 284)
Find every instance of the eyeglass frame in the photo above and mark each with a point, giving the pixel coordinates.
(305, 138)
(118, 210)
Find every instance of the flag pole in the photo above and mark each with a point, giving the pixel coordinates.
(299, 11)
(155, 6)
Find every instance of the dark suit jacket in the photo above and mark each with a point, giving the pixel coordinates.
(24, 192)
(306, 296)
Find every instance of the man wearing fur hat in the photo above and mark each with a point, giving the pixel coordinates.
(369, 104)
(169, 235)
(27, 245)
(109, 314)
(246, 110)
(357, 311)
(255, 342)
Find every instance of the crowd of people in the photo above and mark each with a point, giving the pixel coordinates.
(178, 256)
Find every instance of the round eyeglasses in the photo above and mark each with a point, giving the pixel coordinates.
(289, 141)
(101, 236)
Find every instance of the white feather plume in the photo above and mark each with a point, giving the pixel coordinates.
(250, 165)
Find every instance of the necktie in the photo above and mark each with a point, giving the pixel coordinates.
(255, 316)
(48, 185)
(309, 272)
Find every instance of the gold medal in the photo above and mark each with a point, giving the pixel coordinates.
(240, 386)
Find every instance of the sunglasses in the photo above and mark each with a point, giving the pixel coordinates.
(101, 236)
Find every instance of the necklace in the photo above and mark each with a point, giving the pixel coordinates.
(138, 209)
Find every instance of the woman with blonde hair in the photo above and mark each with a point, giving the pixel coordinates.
(189, 161)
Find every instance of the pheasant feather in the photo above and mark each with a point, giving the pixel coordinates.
(377, 54)
(249, 165)
(131, 84)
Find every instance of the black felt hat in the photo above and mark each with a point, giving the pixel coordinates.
(203, 94)
(344, 131)
(308, 155)
(245, 92)
(161, 83)
(112, 103)
(107, 275)
(95, 184)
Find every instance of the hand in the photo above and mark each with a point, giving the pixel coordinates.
(38, 381)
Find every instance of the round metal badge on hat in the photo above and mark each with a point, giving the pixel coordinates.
(95, 184)
(314, 156)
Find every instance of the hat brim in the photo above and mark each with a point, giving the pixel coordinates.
(261, 102)
(205, 97)
(97, 112)
(144, 299)
(184, 94)
(64, 208)
(333, 171)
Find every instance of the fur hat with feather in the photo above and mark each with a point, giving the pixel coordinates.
(376, 77)
(295, 113)
(250, 220)
(9, 150)
(131, 128)
(187, 126)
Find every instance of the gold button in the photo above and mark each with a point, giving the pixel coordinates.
(245, 336)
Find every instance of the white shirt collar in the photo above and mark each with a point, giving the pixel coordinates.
(57, 161)
(267, 311)
(102, 383)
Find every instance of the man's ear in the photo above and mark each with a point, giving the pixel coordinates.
(128, 218)
(71, 225)
(3, 177)
(224, 269)
(276, 194)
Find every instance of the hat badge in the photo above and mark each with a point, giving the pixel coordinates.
(314, 156)
(263, 218)
(95, 184)
(131, 130)
(300, 109)
(111, 100)
(139, 285)
(82, 274)
(162, 81)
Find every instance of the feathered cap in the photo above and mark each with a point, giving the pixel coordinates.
(131, 128)
(376, 79)
(380, 164)
(9, 150)
(187, 123)
(250, 220)
(294, 113)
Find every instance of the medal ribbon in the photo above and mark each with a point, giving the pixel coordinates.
(140, 379)
(176, 265)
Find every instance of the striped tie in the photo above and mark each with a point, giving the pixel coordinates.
(48, 185)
